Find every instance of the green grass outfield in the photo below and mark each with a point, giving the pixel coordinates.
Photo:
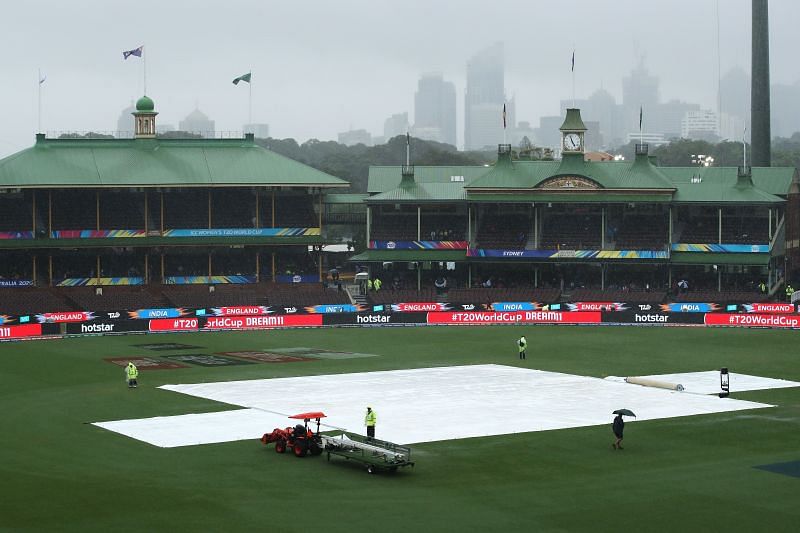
(58, 473)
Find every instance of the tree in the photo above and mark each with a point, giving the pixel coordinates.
(87, 135)
(179, 135)
(352, 163)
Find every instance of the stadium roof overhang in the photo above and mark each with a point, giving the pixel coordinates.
(145, 242)
(694, 258)
(574, 196)
(409, 255)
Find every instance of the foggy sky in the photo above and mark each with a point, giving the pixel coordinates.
(321, 67)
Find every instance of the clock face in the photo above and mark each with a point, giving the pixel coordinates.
(572, 141)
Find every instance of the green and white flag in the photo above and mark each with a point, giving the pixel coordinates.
(243, 77)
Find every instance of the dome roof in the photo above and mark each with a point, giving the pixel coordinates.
(145, 103)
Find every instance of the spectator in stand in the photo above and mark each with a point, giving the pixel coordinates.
(762, 288)
(441, 284)
(683, 286)
(396, 284)
(789, 292)
(377, 284)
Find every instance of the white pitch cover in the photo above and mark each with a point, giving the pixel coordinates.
(425, 404)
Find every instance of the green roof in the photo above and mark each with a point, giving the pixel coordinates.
(155, 162)
(422, 192)
(774, 180)
(608, 181)
(386, 178)
(719, 184)
(344, 198)
(145, 103)
(573, 121)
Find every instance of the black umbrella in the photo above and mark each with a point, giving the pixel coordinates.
(626, 412)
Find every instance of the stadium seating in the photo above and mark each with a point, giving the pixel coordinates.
(480, 295)
(571, 232)
(745, 230)
(121, 210)
(503, 232)
(233, 208)
(15, 212)
(387, 296)
(721, 297)
(700, 230)
(31, 300)
(443, 227)
(642, 232)
(186, 208)
(74, 209)
(393, 228)
(295, 212)
(115, 298)
(596, 295)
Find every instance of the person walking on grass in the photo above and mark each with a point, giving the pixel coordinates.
(369, 420)
(617, 428)
(132, 374)
(522, 344)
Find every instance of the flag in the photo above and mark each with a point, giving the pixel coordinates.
(243, 77)
(573, 61)
(504, 116)
(640, 118)
(41, 79)
(408, 139)
(135, 52)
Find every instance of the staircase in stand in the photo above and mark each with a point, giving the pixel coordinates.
(355, 295)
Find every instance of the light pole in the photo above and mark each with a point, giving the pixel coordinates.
(702, 160)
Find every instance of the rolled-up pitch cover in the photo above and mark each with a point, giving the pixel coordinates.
(646, 382)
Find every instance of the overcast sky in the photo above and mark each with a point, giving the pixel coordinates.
(322, 66)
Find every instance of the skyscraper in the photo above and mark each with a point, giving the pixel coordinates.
(435, 109)
(197, 122)
(639, 91)
(395, 125)
(125, 123)
(484, 98)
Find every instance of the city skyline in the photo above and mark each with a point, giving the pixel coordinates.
(313, 83)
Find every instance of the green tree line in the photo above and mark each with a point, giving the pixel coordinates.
(351, 163)
(682, 152)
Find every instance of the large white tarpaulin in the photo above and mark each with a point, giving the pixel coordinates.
(424, 405)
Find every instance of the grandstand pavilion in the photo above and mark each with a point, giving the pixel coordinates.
(159, 215)
(604, 230)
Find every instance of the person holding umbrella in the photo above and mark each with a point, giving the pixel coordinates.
(618, 426)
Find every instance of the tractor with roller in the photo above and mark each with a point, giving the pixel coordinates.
(300, 439)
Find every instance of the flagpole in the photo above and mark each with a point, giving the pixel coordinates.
(641, 115)
(250, 104)
(573, 77)
(744, 147)
(39, 120)
(505, 119)
(144, 69)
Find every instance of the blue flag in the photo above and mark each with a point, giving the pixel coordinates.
(135, 52)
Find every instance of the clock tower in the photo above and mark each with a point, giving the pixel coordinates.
(573, 131)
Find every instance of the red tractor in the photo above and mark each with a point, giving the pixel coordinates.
(300, 439)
